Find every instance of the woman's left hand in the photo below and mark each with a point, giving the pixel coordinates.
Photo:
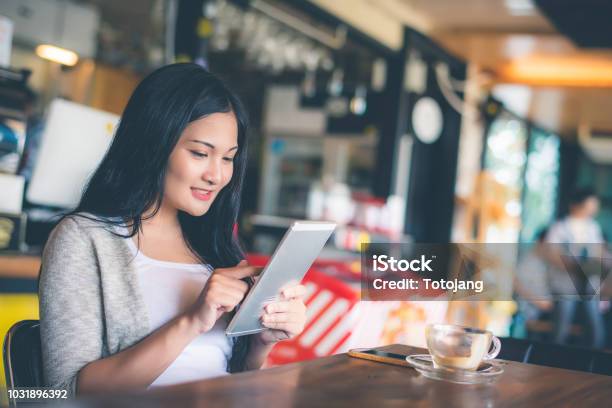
(284, 318)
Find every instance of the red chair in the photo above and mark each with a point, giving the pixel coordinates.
(331, 317)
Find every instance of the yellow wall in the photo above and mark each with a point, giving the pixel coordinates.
(13, 308)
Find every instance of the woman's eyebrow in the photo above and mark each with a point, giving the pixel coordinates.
(211, 145)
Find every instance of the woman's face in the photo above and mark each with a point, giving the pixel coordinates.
(202, 163)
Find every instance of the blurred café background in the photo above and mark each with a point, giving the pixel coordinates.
(429, 121)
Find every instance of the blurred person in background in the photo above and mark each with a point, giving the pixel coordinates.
(578, 246)
(532, 285)
(139, 282)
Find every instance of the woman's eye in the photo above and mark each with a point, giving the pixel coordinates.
(198, 154)
(228, 159)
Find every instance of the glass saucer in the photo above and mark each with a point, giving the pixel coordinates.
(486, 373)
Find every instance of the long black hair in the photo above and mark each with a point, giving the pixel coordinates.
(130, 179)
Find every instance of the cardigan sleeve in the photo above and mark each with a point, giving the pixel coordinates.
(71, 318)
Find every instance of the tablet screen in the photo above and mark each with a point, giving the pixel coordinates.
(296, 252)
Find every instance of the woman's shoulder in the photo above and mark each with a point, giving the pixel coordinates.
(558, 232)
(81, 235)
(75, 222)
(81, 225)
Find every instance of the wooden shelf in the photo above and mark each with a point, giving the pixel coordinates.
(19, 266)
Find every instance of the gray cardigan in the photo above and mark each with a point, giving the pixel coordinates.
(90, 301)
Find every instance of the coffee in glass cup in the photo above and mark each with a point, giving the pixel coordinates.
(458, 347)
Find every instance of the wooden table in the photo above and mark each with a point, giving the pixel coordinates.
(348, 382)
(19, 266)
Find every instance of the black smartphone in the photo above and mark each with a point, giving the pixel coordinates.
(381, 356)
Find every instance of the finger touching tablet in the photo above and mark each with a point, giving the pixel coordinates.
(291, 260)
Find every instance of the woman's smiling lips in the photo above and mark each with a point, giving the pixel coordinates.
(201, 194)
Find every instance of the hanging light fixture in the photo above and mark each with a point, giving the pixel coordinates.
(335, 84)
(309, 83)
(358, 102)
(53, 52)
(57, 54)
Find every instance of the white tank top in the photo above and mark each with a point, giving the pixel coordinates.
(168, 289)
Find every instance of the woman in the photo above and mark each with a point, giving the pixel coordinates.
(577, 255)
(138, 283)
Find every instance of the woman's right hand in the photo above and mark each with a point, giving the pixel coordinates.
(223, 291)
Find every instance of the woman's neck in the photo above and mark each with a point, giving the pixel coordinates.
(165, 218)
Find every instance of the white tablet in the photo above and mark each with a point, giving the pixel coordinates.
(289, 263)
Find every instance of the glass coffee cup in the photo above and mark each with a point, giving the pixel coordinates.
(458, 347)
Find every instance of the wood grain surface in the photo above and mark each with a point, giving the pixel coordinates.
(343, 381)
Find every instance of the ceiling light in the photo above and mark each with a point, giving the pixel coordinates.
(549, 70)
(57, 54)
(520, 7)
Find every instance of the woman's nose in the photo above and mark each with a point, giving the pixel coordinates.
(212, 175)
